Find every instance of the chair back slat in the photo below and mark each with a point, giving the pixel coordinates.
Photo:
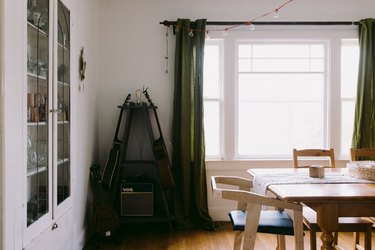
(362, 154)
(314, 154)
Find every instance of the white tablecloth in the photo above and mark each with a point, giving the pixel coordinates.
(261, 182)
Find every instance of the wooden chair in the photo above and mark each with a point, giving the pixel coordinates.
(363, 153)
(314, 153)
(346, 224)
(249, 219)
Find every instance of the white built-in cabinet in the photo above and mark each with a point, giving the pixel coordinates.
(47, 170)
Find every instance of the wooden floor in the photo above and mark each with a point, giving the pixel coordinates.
(158, 237)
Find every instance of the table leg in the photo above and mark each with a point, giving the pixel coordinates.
(328, 221)
(327, 240)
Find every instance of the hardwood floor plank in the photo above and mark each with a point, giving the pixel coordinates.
(158, 237)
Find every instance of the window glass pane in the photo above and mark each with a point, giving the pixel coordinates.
(244, 65)
(281, 101)
(287, 87)
(317, 51)
(212, 128)
(317, 65)
(211, 74)
(244, 50)
(275, 128)
(281, 65)
(347, 122)
(349, 78)
(349, 68)
(281, 51)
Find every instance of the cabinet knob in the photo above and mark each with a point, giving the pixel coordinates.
(54, 226)
(53, 110)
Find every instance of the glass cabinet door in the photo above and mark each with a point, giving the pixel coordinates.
(38, 136)
(63, 103)
(48, 108)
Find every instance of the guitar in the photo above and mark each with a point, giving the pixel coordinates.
(160, 152)
(113, 155)
(104, 220)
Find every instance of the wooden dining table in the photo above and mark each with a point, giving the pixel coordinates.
(329, 200)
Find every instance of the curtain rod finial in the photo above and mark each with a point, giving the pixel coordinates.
(165, 23)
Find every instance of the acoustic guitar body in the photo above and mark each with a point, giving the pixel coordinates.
(110, 167)
(163, 164)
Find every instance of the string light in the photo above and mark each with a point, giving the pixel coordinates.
(166, 51)
(207, 35)
(191, 34)
(225, 32)
(275, 13)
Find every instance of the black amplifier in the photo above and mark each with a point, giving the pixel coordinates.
(137, 198)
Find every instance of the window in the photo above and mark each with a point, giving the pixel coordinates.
(281, 104)
(213, 97)
(349, 74)
(271, 95)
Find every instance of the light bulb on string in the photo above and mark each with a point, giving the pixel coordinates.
(276, 14)
(191, 34)
(225, 32)
(251, 27)
(207, 35)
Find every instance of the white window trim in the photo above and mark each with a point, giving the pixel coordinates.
(332, 34)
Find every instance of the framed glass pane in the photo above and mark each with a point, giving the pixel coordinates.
(63, 104)
(281, 50)
(281, 65)
(244, 50)
(287, 87)
(38, 141)
(347, 123)
(212, 71)
(212, 121)
(349, 68)
(275, 128)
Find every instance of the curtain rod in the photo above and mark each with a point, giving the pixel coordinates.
(168, 23)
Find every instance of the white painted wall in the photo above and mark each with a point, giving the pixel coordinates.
(1, 116)
(133, 45)
(84, 136)
(12, 127)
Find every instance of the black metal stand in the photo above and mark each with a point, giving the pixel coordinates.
(160, 215)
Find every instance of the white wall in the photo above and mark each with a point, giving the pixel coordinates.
(85, 107)
(1, 116)
(133, 45)
(12, 127)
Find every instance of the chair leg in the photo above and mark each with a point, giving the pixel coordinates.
(280, 242)
(336, 238)
(368, 239)
(356, 240)
(238, 235)
(312, 239)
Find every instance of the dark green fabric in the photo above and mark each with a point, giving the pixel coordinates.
(364, 119)
(190, 193)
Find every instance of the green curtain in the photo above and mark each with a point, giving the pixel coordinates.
(190, 193)
(364, 119)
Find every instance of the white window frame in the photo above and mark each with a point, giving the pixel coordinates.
(219, 99)
(325, 101)
(333, 36)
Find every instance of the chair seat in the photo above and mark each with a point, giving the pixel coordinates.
(270, 221)
(346, 224)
